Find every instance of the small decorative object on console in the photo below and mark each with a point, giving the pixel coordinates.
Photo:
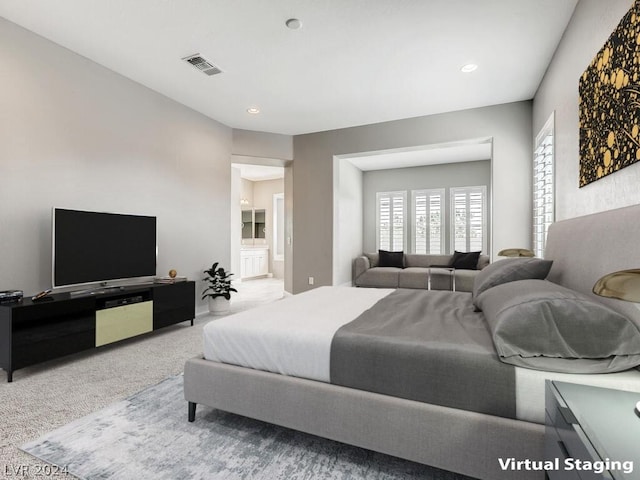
(170, 278)
(10, 295)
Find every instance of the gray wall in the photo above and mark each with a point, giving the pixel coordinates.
(592, 23)
(434, 176)
(262, 145)
(76, 135)
(510, 127)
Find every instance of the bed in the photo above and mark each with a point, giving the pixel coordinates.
(285, 379)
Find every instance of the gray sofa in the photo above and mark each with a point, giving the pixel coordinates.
(415, 274)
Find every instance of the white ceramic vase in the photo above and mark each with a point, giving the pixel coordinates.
(219, 305)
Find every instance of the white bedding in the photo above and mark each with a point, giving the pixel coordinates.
(293, 337)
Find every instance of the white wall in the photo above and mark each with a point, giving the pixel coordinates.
(508, 125)
(347, 212)
(592, 23)
(76, 135)
(462, 174)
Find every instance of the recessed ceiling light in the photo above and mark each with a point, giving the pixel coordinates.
(253, 110)
(293, 23)
(469, 67)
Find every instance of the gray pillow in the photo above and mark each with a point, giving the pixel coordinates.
(509, 270)
(541, 325)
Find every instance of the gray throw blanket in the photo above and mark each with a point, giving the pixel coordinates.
(428, 346)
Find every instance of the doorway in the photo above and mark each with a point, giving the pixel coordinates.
(258, 220)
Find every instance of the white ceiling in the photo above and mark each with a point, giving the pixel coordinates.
(428, 155)
(353, 62)
(258, 173)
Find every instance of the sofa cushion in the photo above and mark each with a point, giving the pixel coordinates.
(465, 260)
(414, 277)
(390, 259)
(373, 259)
(385, 277)
(465, 279)
(442, 278)
(425, 260)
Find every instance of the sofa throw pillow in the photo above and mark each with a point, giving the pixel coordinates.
(509, 270)
(465, 260)
(390, 259)
(544, 326)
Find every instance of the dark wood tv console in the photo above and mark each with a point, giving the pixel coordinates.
(64, 323)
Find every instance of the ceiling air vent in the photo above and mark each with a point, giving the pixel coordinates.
(202, 64)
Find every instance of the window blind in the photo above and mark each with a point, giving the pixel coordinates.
(543, 187)
(428, 231)
(468, 219)
(391, 217)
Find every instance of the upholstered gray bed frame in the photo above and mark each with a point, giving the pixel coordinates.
(583, 249)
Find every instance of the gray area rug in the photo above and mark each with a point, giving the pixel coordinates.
(148, 436)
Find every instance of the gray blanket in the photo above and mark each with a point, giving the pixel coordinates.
(428, 346)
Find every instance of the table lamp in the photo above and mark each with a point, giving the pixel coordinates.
(516, 252)
(624, 285)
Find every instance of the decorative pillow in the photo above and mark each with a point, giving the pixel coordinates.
(509, 270)
(541, 325)
(390, 259)
(373, 259)
(467, 261)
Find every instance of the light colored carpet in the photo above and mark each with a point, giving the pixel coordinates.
(49, 395)
(148, 436)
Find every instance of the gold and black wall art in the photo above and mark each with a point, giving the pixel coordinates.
(609, 105)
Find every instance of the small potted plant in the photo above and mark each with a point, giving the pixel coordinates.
(218, 291)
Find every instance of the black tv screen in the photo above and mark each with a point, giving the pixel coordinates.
(96, 247)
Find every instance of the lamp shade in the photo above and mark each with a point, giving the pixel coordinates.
(516, 252)
(624, 285)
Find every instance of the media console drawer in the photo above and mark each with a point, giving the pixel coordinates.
(118, 323)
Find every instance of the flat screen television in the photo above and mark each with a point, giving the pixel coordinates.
(91, 247)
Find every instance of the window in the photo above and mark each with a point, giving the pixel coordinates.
(391, 215)
(468, 219)
(543, 196)
(428, 221)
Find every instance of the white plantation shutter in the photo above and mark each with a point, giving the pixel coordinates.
(428, 231)
(543, 195)
(391, 218)
(468, 219)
